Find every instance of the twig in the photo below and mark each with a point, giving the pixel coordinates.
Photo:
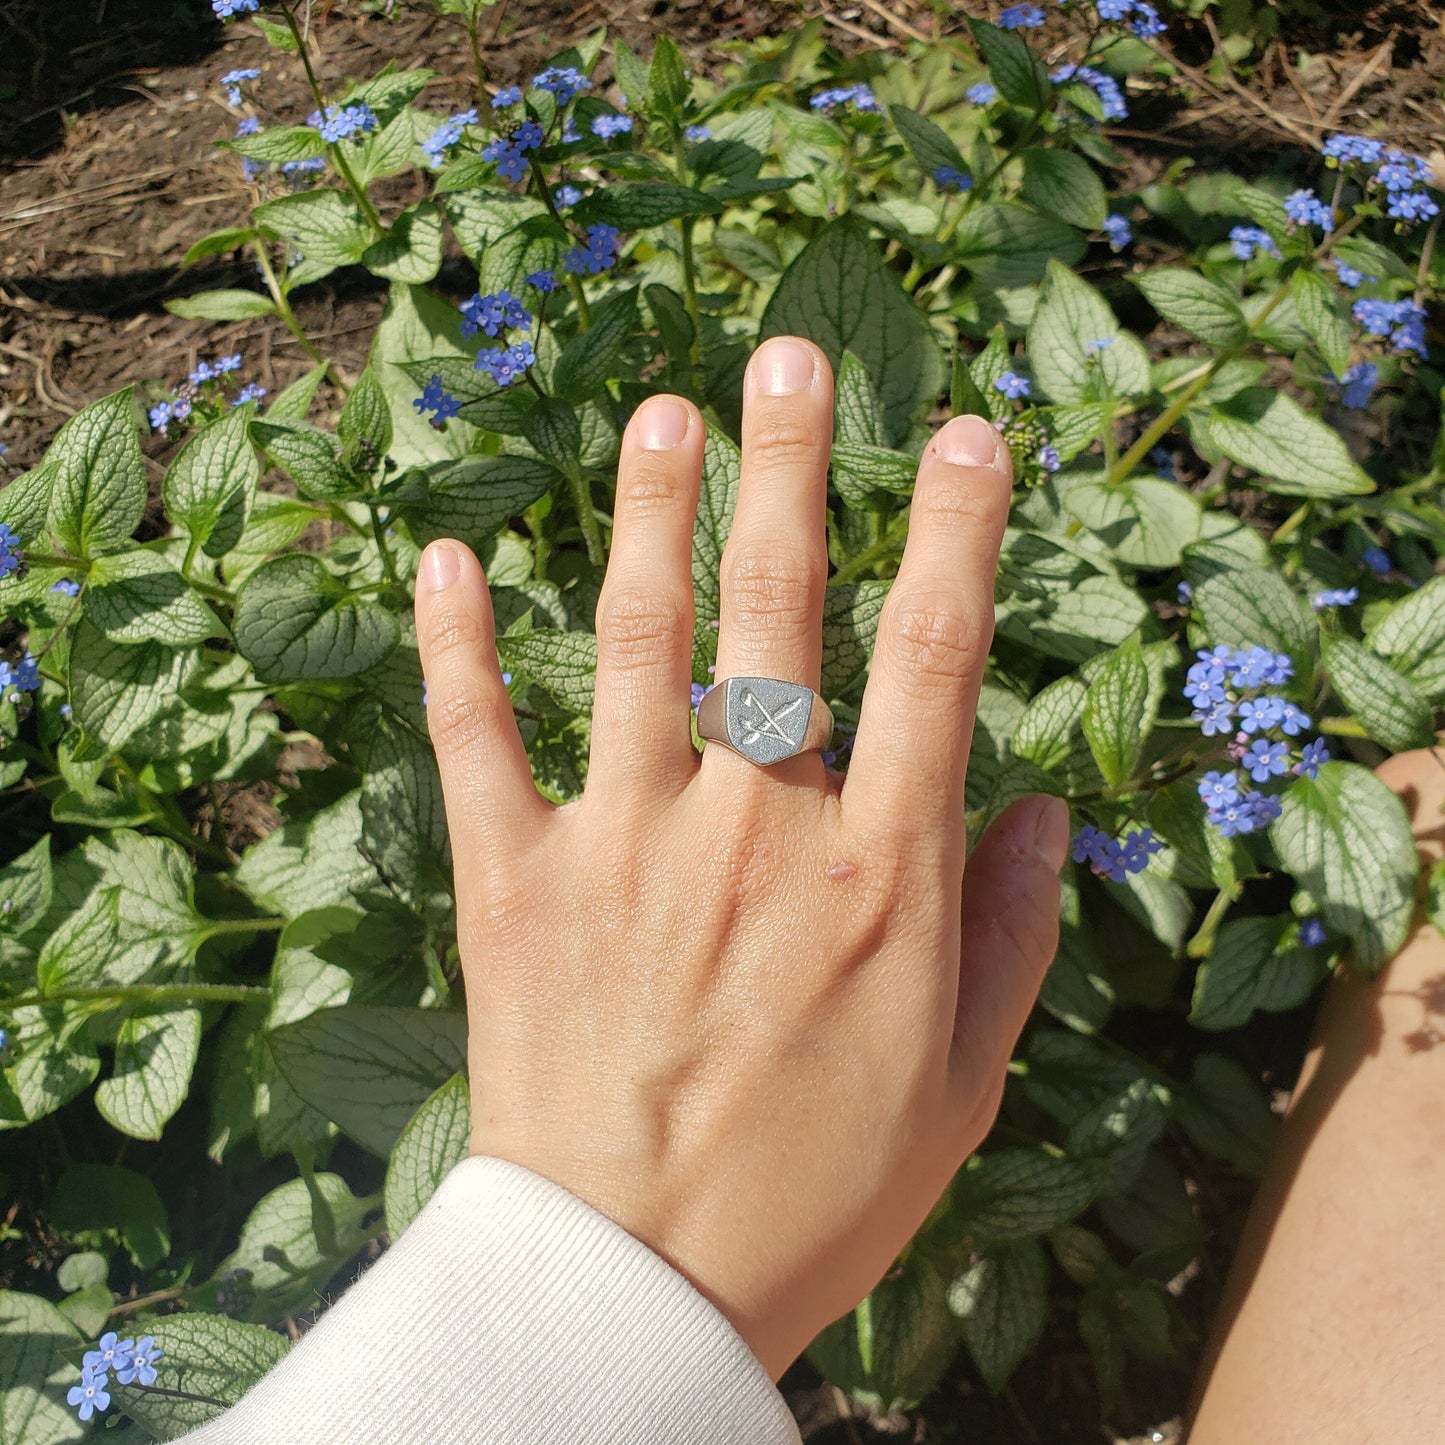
(881, 41)
(1362, 75)
(911, 31)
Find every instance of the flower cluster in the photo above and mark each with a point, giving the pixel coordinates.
(1111, 98)
(697, 133)
(504, 364)
(446, 135)
(205, 386)
(1304, 208)
(233, 80)
(1234, 808)
(1143, 19)
(860, 96)
(22, 676)
(950, 178)
(1021, 17)
(982, 92)
(1402, 176)
(1357, 384)
(10, 554)
(1402, 321)
(1115, 858)
(134, 1363)
(563, 81)
(597, 254)
(1244, 241)
(510, 151)
(337, 122)
(1334, 597)
(608, 127)
(494, 314)
(435, 398)
(1225, 686)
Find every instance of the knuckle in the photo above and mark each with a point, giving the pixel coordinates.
(935, 641)
(948, 502)
(651, 484)
(784, 436)
(640, 626)
(458, 721)
(451, 629)
(776, 589)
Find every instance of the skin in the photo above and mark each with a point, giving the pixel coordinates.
(758, 1017)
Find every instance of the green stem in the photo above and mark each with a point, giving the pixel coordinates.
(573, 280)
(483, 99)
(283, 307)
(388, 562)
(689, 263)
(875, 552)
(587, 516)
(145, 993)
(52, 559)
(218, 926)
(1202, 944)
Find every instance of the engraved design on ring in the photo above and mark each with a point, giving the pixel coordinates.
(765, 719)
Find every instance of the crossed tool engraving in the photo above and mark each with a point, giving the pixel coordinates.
(771, 726)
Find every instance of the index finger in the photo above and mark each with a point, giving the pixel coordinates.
(911, 752)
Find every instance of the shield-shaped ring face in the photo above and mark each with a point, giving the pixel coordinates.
(767, 720)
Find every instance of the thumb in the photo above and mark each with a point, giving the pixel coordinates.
(1010, 928)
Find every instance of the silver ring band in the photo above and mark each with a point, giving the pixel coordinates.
(765, 719)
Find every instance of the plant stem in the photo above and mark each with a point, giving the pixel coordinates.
(183, 1395)
(1422, 271)
(283, 306)
(147, 993)
(689, 264)
(388, 562)
(51, 559)
(587, 516)
(573, 280)
(875, 552)
(159, 1297)
(218, 926)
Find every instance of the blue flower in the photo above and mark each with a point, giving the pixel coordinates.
(1402, 321)
(1311, 933)
(505, 364)
(506, 97)
(1013, 385)
(511, 163)
(160, 416)
(1218, 790)
(1334, 597)
(1349, 276)
(1401, 171)
(1146, 22)
(249, 126)
(142, 1367)
(950, 178)
(597, 255)
(337, 122)
(435, 398)
(1090, 844)
(1117, 229)
(1111, 859)
(1048, 458)
(564, 81)
(609, 126)
(1021, 17)
(1342, 149)
(226, 364)
(1266, 760)
(700, 691)
(10, 554)
(528, 136)
(697, 133)
(1358, 384)
(1293, 721)
(250, 392)
(565, 197)
(494, 314)
(1111, 98)
(297, 171)
(861, 97)
(1376, 559)
(1411, 206)
(1251, 813)
(544, 281)
(1257, 715)
(233, 80)
(446, 135)
(111, 1353)
(1204, 683)
(1244, 241)
(1139, 845)
(1185, 593)
(1099, 343)
(1114, 9)
(67, 587)
(1312, 757)
(981, 92)
(90, 1394)
(23, 676)
(224, 9)
(1304, 208)
(201, 374)
(1214, 720)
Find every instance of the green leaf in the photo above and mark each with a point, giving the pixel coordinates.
(1063, 184)
(721, 471)
(931, 146)
(1386, 704)
(632, 76)
(667, 79)
(36, 1369)
(850, 625)
(1412, 636)
(1294, 452)
(293, 403)
(563, 664)
(431, 1145)
(1256, 607)
(209, 486)
(1143, 521)
(554, 430)
(635, 205)
(856, 414)
(206, 1355)
(1256, 963)
(327, 226)
(218, 243)
(861, 471)
(277, 36)
(1008, 246)
(154, 1057)
(279, 144)
(369, 1069)
(98, 485)
(222, 305)
(309, 455)
(1319, 312)
(1012, 66)
(25, 884)
(1346, 838)
(1201, 306)
(964, 397)
(1225, 1113)
(49, 1070)
(473, 499)
(365, 421)
(838, 293)
(404, 826)
(309, 862)
(1116, 717)
(412, 249)
(1120, 1129)
(295, 621)
(590, 358)
(1016, 1194)
(1070, 316)
(116, 691)
(100, 1202)
(139, 597)
(1002, 1301)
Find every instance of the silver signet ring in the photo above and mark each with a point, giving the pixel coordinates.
(764, 718)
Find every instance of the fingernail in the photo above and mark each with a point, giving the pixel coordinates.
(784, 366)
(663, 423)
(1051, 833)
(440, 565)
(968, 441)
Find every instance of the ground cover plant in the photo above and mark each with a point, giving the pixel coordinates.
(1212, 613)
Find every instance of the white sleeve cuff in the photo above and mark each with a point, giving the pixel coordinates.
(511, 1313)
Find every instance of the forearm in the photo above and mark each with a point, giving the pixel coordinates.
(512, 1312)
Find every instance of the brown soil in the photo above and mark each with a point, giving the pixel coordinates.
(108, 114)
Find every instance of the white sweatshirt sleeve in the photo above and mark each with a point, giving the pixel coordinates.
(511, 1313)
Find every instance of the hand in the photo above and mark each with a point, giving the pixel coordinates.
(757, 1017)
